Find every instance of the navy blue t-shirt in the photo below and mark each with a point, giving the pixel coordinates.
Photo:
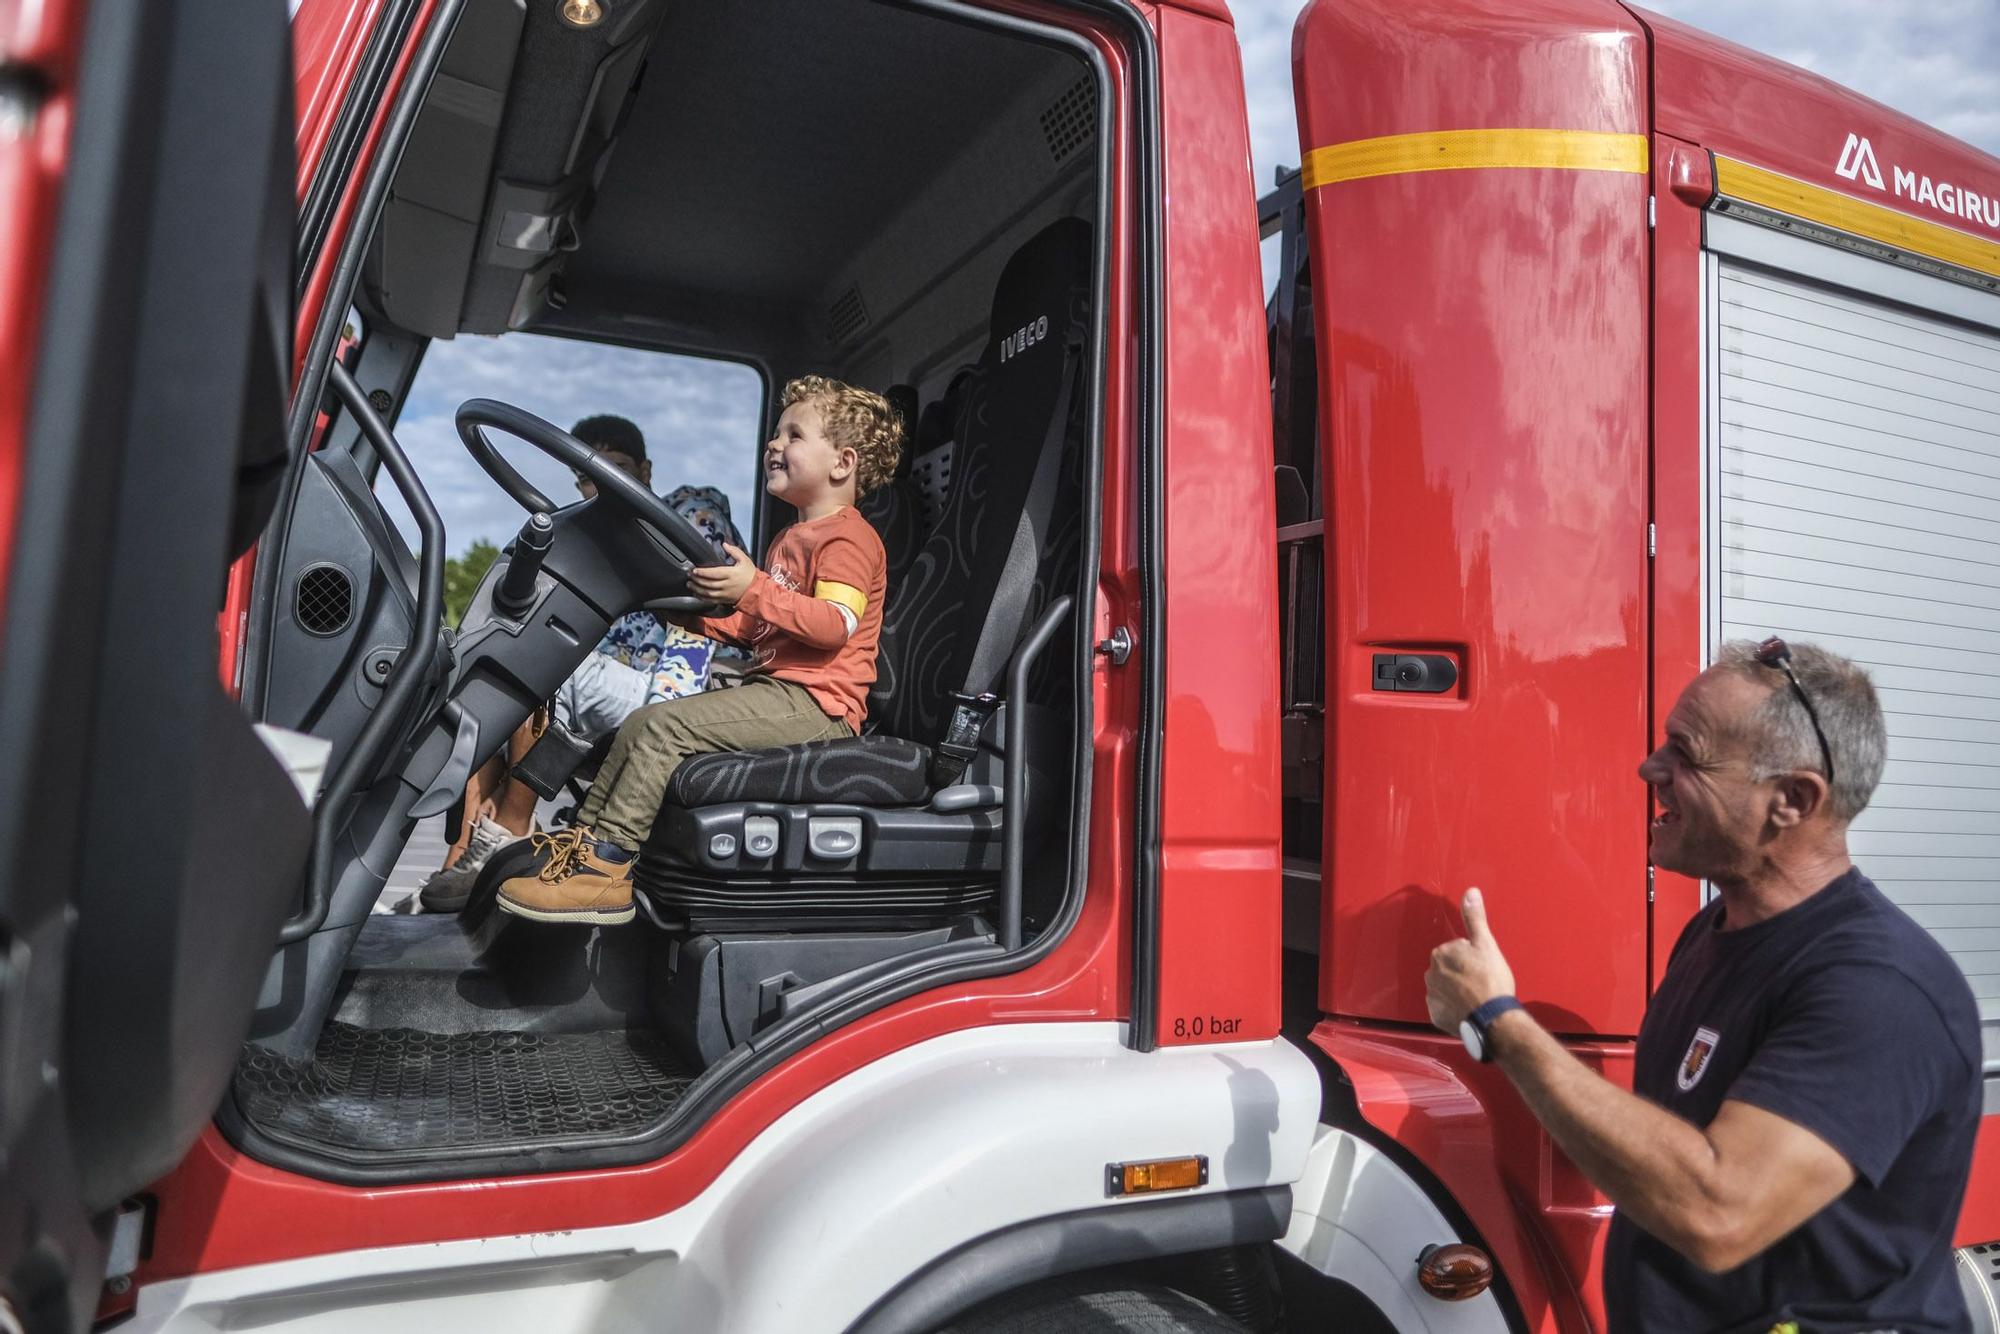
(1843, 1016)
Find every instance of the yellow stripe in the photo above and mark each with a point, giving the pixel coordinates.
(847, 595)
(1459, 150)
(1754, 185)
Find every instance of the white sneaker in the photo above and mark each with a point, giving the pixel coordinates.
(450, 890)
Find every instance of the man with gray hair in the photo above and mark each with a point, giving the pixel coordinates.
(1807, 1080)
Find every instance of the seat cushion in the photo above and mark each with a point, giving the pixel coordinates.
(851, 771)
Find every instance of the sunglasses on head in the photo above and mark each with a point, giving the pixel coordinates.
(1775, 652)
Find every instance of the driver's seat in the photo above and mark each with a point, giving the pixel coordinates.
(852, 834)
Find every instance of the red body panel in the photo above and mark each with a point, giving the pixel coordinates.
(1762, 111)
(329, 38)
(221, 1209)
(1683, 182)
(1979, 1216)
(1483, 407)
(1215, 9)
(1220, 861)
(343, 217)
(43, 38)
(1544, 1223)
(1395, 379)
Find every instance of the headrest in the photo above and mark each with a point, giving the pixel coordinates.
(903, 398)
(940, 424)
(1031, 302)
(903, 402)
(936, 428)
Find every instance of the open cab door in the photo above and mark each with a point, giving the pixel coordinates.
(1481, 408)
(150, 842)
(1461, 404)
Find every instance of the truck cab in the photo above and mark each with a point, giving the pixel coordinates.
(1256, 629)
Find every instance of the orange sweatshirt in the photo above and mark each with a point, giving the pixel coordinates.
(791, 615)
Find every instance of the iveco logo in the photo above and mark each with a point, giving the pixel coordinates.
(1858, 159)
(1025, 337)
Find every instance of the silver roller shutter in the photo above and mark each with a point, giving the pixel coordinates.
(1856, 503)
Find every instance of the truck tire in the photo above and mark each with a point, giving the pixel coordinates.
(1082, 1308)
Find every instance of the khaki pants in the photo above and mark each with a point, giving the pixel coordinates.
(651, 744)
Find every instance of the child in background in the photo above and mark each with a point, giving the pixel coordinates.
(812, 618)
(639, 661)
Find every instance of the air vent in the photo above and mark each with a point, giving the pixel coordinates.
(324, 602)
(1071, 120)
(846, 317)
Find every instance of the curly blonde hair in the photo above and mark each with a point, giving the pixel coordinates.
(854, 419)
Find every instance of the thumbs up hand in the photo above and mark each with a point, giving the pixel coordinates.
(1466, 973)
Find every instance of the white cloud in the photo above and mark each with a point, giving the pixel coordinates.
(1937, 60)
(701, 420)
(1264, 31)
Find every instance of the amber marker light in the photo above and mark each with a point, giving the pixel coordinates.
(582, 13)
(1455, 1273)
(1160, 1174)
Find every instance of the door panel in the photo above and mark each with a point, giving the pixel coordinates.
(149, 842)
(347, 598)
(1476, 208)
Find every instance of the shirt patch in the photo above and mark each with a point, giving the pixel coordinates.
(844, 595)
(1695, 1063)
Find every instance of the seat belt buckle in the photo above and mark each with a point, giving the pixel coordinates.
(950, 756)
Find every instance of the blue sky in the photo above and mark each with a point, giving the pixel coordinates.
(701, 420)
(1938, 60)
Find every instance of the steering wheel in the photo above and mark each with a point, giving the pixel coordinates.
(613, 483)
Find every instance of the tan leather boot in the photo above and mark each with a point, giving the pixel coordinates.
(577, 883)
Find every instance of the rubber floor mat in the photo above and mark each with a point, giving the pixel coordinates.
(398, 1090)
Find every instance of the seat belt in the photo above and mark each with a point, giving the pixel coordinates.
(1008, 612)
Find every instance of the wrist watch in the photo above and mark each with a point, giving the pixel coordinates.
(1476, 1029)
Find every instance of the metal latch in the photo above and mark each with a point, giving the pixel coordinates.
(128, 1236)
(1118, 647)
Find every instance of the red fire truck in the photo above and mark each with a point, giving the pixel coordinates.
(1088, 979)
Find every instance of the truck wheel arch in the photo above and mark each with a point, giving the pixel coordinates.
(1035, 1251)
(1359, 1217)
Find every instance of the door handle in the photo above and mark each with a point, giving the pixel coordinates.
(1414, 673)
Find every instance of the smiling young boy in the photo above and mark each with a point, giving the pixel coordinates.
(812, 617)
